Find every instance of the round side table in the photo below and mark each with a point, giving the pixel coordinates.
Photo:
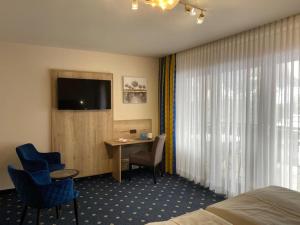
(64, 174)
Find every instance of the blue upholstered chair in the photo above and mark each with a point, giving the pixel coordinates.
(32, 160)
(37, 190)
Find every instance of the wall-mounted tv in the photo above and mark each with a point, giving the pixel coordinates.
(83, 94)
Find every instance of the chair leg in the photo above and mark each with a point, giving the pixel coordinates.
(57, 212)
(38, 217)
(130, 171)
(23, 215)
(161, 169)
(154, 175)
(76, 211)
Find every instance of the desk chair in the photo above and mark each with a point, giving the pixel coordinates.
(36, 190)
(32, 160)
(149, 159)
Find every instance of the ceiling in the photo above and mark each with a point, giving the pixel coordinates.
(111, 25)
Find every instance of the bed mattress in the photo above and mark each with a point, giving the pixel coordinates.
(265, 206)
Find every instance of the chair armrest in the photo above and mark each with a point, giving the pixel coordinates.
(51, 157)
(41, 177)
(58, 192)
(35, 165)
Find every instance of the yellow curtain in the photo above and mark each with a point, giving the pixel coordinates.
(168, 110)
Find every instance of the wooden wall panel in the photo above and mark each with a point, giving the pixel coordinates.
(79, 135)
(121, 127)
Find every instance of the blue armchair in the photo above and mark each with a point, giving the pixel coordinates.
(32, 160)
(37, 190)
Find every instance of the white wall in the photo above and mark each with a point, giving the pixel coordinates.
(25, 92)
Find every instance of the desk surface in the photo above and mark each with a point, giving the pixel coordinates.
(129, 142)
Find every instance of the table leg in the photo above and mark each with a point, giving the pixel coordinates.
(116, 164)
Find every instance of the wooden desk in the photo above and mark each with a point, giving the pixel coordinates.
(117, 154)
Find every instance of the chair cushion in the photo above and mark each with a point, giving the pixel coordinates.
(142, 158)
(53, 167)
(41, 177)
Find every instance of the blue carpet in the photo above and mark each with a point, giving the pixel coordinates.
(104, 201)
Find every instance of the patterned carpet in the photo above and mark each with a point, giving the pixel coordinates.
(104, 201)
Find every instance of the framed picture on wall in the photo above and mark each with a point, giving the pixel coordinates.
(134, 90)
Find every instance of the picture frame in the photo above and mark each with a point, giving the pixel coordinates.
(134, 90)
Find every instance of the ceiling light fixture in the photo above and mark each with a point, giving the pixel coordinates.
(187, 9)
(193, 12)
(200, 18)
(163, 4)
(170, 4)
(134, 4)
(190, 10)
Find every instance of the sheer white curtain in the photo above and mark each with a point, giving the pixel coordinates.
(237, 110)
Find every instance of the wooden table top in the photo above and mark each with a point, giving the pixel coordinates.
(64, 174)
(128, 142)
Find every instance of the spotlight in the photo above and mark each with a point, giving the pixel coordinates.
(193, 12)
(200, 18)
(190, 10)
(187, 9)
(134, 5)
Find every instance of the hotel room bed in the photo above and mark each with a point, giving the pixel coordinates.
(270, 205)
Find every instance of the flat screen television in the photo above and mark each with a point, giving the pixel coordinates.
(83, 94)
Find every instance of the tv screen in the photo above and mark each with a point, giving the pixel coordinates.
(83, 94)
